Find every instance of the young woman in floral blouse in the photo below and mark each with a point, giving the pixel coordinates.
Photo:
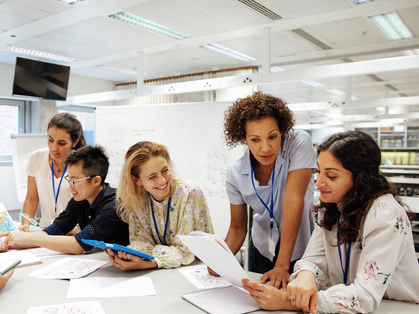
(157, 208)
(362, 248)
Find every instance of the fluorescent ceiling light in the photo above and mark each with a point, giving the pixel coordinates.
(38, 54)
(313, 83)
(147, 24)
(354, 98)
(228, 52)
(336, 92)
(116, 69)
(363, 1)
(73, 2)
(277, 69)
(382, 109)
(392, 26)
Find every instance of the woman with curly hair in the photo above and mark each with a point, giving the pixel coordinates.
(158, 207)
(362, 248)
(274, 177)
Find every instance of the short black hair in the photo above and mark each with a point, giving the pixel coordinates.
(93, 160)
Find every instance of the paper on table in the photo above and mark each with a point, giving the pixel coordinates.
(89, 307)
(68, 268)
(105, 287)
(44, 253)
(27, 258)
(198, 275)
(215, 256)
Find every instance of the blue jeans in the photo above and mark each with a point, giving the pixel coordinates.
(259, 263)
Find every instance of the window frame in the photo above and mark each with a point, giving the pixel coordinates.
(21, 121)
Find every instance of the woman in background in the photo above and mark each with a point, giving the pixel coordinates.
(274, 177)
(157, 208)
(46, 170)
(362, 248)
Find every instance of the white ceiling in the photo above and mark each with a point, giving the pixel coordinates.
(86, 33)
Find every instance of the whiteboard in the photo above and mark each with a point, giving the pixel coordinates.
(22, 147)
(193, 133)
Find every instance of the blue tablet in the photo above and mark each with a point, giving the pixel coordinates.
(116, 247)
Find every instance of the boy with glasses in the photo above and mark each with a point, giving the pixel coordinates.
(92, 208)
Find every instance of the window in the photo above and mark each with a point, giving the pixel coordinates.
(11, 122)
(86, 116)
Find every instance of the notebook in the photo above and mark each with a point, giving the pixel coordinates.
(6, 222)
(224, 300)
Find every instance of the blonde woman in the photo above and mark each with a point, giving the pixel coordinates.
(157, 207)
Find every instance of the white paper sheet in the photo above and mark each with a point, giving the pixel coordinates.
(43, 253)
(68, 268)
(198, 275)
(215, 256)
(89, 307)
(105, 287)
(27, 258)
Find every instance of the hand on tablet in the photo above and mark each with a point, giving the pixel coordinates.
(125, 261)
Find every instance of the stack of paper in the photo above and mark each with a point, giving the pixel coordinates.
(13, 255)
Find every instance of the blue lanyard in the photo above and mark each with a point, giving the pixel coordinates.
(348, 254)
(167, 220)
(59, 185)
(270, 210)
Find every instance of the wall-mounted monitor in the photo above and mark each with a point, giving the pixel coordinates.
(40, 79)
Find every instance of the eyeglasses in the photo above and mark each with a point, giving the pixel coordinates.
(72, 182)
(33, 222)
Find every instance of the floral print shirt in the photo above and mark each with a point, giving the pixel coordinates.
(383, 262)
(188, 212)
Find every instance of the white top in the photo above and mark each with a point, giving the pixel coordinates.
(39, 168)
(382, 263)
(296, 153)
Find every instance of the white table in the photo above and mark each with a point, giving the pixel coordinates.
(23, 292)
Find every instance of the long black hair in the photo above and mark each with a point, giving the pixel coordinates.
(69, 123)
(359, 154)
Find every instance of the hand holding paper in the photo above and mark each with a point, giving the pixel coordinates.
(214, 252)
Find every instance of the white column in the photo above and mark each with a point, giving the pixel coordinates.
(140, 72)
(266, 54)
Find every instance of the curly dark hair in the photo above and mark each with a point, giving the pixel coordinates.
(359, 154)
(252, 108)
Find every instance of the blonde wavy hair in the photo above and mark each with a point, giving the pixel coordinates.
(130, 196)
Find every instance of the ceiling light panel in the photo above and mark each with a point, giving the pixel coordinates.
(392, 26)
(38, 54)
(75, 2)
(116, 69)
(147, 24)
(363, 1)
(228, 52)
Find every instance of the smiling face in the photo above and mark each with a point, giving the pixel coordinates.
(264, 140)
(333, 180)
(85, 189)
(155, 177)
(59, 144)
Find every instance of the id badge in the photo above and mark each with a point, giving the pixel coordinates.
(272, 246)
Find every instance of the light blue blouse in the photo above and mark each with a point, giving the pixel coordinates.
(296, 153)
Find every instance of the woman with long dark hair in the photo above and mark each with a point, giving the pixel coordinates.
(46, 170)
(362, 248)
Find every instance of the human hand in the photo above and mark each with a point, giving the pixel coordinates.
(24, 227)
(3, 247)
(278, 277)
(211, 272)
(16, 239)
(302, 291)
(268, 297)
(5, 278)
(125, 261)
